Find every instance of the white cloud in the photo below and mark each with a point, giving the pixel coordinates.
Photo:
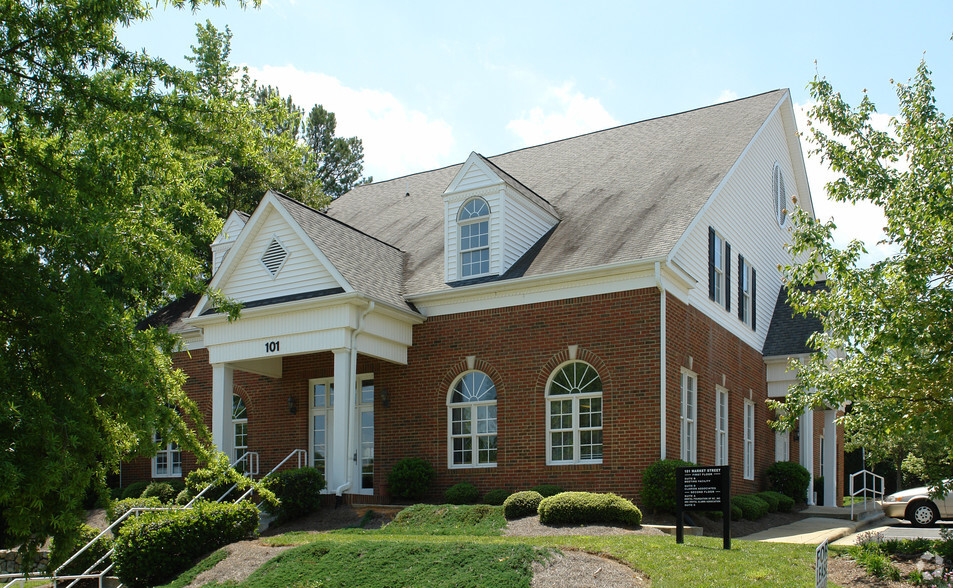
(863, 221)
(727, 96)
(397, 140)
(565, 113)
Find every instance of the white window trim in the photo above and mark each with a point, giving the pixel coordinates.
(749, 423)
(363, 407)
(689, 435)
(779, 194)
(721, 284)
(782, 446)
(328, 411)
(576, 429)
(721, 434)
(746, 276)
(474, 436)
(244, 420)
(461, 251)
(168, 451)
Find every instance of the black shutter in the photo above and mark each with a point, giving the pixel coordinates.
(741, 287)
(711, 263)
(754, 313)
(727, 276)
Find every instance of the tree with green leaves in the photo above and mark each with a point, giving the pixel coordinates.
(114, 167)
(887, 343)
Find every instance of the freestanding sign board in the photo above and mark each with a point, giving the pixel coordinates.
(820, 565)
(703, 488)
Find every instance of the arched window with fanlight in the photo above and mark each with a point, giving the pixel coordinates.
(240, 430)
(471, 412)
(474, 226)
(574, 415)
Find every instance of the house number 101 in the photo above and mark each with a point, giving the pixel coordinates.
(272, 346)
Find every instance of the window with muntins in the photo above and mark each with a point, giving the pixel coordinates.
(719, 269)
(749, 441)
(167, 462)
(474, 227)
(747, 306)
(574, 415)
(240, 430)
(322, 416)
(471, 411)
(689, 415)
(721, 426)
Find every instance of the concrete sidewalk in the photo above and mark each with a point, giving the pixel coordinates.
(814, 530)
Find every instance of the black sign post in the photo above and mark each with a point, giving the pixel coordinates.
(703, 488)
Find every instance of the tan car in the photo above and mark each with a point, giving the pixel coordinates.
(918, 507)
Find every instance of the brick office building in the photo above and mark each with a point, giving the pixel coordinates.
(566, 313)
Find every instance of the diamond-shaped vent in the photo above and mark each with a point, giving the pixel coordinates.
(274, 257)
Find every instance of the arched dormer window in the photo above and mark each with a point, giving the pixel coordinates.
(471, 409)
(780, 195)
(474, 226)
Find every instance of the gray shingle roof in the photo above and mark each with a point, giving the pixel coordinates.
(789, 332)
(370, 266)
(622, 194)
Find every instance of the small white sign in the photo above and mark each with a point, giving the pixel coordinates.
(820, 565)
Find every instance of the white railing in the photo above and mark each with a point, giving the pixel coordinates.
(872, 486)
(250, 460)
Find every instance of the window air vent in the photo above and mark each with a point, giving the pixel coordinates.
(274, 257)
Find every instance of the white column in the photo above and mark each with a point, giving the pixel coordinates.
(807, 450)
(830, 458)
(222, 376)
(342, 420)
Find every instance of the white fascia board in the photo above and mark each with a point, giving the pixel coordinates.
(235, 223)
(381, 307)
(473, 160)
(576, 283)
(724, 180)
(805, 199)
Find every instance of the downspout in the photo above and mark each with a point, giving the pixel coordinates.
(352, 400)
(662, 417)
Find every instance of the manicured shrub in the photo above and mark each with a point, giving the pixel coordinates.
(115, 510)
(789, 478)
(183, 497)
(752, 507)
(785, 503)
(410, 478)
(298, 492)
(521, 504)
(161, 490)
(547, 490)
(771, 498)
(60, 552)
(462, 493)
(159, 546)
(134, 490)
(658, 485)
(199, 479)
(587, 507)
(736, 512)
(496, 497)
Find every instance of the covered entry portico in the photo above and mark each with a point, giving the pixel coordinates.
(345, 324)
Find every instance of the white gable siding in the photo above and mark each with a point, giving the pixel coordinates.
(743, 212)
(523, 226)
(301, 272)
(474, 178)
(223, 241)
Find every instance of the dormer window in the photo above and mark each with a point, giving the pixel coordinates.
(474, 221)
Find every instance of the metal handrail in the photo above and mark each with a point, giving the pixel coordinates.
(867, 475)
(244, 457)
(302, 455)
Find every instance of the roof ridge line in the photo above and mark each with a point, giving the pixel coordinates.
(331, 218)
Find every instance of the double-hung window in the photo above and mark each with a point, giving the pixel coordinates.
(719, 269)
(472, 414)
(746, 293)
(574, 415)
(749, 440)
(689, 415)
(240, 429)
(474, 227)
(168, 460)
(721, 426)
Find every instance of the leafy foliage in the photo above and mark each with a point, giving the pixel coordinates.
(134, 490)
(164, 491)
(157, 546)
(752, 507)
(428, 519)
(547, 490)
(298, 492)
(588, 507)
(522, 504)
(462, 493)
(410, 478)
(784, 503)
(887, 341)
(60, 552)
(790, 479)
(496, 497)
(658, 485)
(120, 507)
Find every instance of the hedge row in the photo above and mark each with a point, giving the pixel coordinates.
(588, 507)
(158, 546)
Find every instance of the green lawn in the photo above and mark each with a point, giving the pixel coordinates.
(463, 546)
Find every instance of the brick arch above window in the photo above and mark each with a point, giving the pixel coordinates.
(459, 368)
(583, 355)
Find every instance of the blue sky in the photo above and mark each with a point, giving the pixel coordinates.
(425, 83)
